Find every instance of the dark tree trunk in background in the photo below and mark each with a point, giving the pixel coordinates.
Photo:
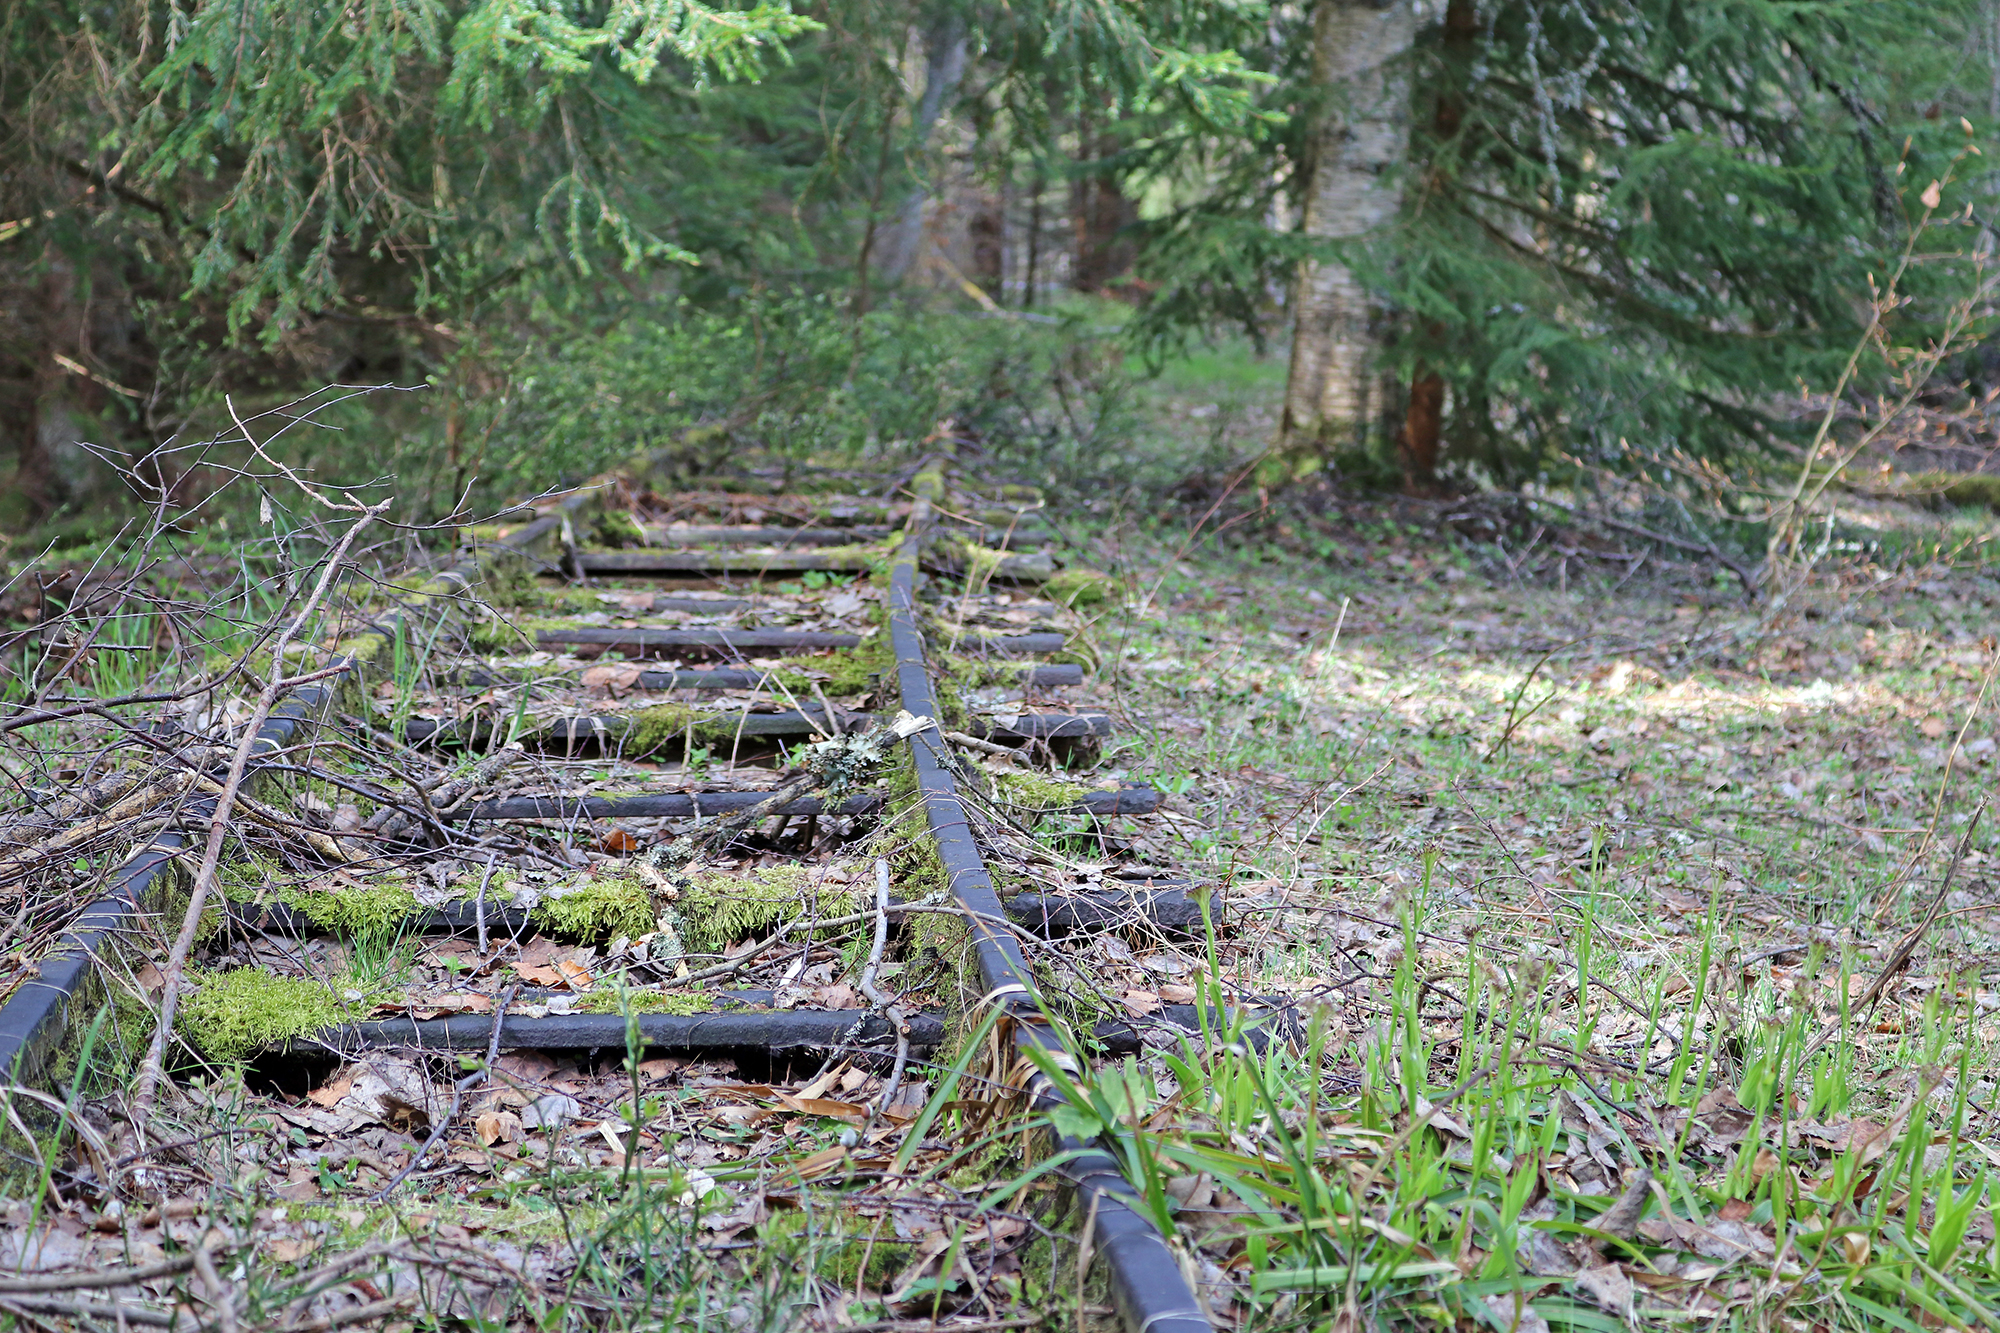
(41, 388)
(986, 228)
(1423, 425)
(1100, 213)
(1038, 186)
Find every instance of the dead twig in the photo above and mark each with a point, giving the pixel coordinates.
(276, 688)
(1899, 958)
(892, 1011)
(458, 1091)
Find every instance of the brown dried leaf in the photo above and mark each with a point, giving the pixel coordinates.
(1139, 1003)
(498, 1127)
(335, 1088)
(393, 1090)
(1608, 1286)
(1514, 1314)
(614, 679)
(290, 1249)
(823, 1106)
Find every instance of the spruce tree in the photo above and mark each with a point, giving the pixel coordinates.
(1630, 229)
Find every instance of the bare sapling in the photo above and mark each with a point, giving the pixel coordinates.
(276, 687)
(1787, 561)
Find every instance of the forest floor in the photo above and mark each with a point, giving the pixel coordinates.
(1723, 878)
(1601, 949)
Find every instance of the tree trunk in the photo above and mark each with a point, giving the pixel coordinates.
(1420, 443)
(945, 49)
(1038, 186)
(1099, 213)
(986, 228)
(1333, 396)
(43, 395)
(1422, 425)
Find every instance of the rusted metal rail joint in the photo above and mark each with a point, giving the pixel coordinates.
(1151, 1292)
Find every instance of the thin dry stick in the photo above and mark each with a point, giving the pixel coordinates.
(118, 816)
(832, 718)
(458, 1091)
(216, 1292)
(1332, 643)
(1785, 530)
(890, 1010)
(1906, 946)
(124, 1314)
(1923, 846)
(96, 1277)
(218, 827)
(479, 903)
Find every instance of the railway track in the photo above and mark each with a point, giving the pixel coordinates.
(667, 669)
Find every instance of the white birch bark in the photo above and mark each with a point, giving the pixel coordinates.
(946, 49)
(1333, 395)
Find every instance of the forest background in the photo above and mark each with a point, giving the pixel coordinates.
(1586, 244)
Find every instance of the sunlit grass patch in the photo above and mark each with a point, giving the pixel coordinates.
(1577, 901)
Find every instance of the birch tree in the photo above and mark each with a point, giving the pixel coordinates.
(1333, 396)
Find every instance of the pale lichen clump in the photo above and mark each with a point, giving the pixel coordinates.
(230, 1016)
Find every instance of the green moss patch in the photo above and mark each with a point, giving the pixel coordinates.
(1032, 791)
(1080, 587)
(849, 671)
(839, 1243)
(375, 908)
(716, 909)
(616, 528)
(600, 908)
(230, 1016)
(662, 725)
(685, 1003)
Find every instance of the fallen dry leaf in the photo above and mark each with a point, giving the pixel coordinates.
(1608, 1286)
(1139, 1003)
(1513, 1313)
(822, 1083)
(614, 679)
(290, 1249)
(819, 1163)
(498, 1127)
(822, 1106)
(335, 1088)
(395, 1091)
